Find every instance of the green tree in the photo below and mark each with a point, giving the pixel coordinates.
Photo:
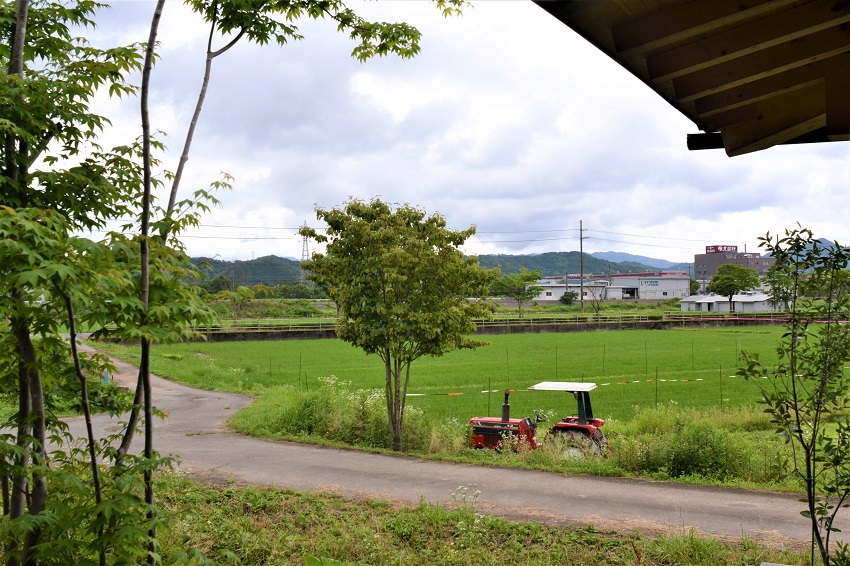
(518, 286)
(402, 286)
(779, 286)
(694, 287)
(837, 285)
(808, 394)
(568, 298)
(731, 279)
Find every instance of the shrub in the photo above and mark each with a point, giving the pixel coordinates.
(336, 412)
(673, 442)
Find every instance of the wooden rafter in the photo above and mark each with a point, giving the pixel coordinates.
(752, 73)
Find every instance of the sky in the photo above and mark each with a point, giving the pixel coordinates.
(506, 120)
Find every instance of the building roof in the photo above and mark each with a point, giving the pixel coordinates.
(750, 74)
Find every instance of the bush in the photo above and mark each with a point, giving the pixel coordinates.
(699, 449)
(669, 442)
(338, 413)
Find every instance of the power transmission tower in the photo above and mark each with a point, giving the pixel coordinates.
(305, 254)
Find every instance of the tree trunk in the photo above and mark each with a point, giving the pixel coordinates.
(393, 394)
(20, 482)
(144, 365)
(38, 439)
(84, 401)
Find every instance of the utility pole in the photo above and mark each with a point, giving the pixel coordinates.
(581, 261)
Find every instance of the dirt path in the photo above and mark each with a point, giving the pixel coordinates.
(195, 429)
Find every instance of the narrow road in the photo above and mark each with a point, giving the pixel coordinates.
(196, 430)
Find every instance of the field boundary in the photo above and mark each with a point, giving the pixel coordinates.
(516, 326)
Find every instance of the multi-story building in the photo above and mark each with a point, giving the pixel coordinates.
(705, 265)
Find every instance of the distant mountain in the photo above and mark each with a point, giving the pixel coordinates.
(553, 264)
(621, 257)
(268, 270)
(271, 269)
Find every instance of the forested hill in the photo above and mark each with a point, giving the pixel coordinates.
(269, 270)
(272, 270)
(552, 264)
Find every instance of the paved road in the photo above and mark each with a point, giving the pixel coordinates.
(196, 430)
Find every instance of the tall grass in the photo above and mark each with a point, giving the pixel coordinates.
(262, 526)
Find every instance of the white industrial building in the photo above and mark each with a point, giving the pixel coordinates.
(616, 287)
(745, 302)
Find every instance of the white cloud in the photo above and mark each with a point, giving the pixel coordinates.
(506, 120)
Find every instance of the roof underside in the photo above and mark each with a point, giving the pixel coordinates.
(750, 74)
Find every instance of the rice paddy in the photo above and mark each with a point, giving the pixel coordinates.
(632, 369)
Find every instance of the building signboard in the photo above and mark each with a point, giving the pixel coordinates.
(649, 283)
(720, 249)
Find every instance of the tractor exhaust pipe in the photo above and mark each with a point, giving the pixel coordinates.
(506, 407)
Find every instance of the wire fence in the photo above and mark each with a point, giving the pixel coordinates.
(531, 319)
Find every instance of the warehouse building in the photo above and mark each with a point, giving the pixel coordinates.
(617, 287)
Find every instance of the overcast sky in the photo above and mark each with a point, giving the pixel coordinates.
(507, 120)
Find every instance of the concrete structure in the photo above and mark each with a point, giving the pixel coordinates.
(705, 265)
(616, 287)
(745, 302)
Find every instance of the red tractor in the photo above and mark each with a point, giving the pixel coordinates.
(580, 434)
(495, 432)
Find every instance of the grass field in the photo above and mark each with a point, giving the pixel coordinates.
(633, 368)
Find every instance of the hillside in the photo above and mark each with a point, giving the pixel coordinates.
(271, 270)
(552, 264)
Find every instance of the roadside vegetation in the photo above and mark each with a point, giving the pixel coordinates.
(240, 525)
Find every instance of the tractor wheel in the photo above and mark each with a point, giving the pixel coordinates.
(576, 445)
(601, 442)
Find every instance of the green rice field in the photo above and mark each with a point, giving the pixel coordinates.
(632, 368)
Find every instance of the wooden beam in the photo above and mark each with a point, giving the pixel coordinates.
(838, 98)
(778, 120)
(761, 89)
(769, 31)
(688, 19)
(732, 117)
(809, 49)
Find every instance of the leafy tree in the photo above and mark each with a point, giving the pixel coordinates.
(694, 287)
(808, 394)
(219, 283)
(403, 288)
(779, 286)
(731, 279)
(568, 298)
(837, 285)
(519, 286)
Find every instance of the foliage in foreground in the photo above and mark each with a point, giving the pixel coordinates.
(235, 525)
(808, 395)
